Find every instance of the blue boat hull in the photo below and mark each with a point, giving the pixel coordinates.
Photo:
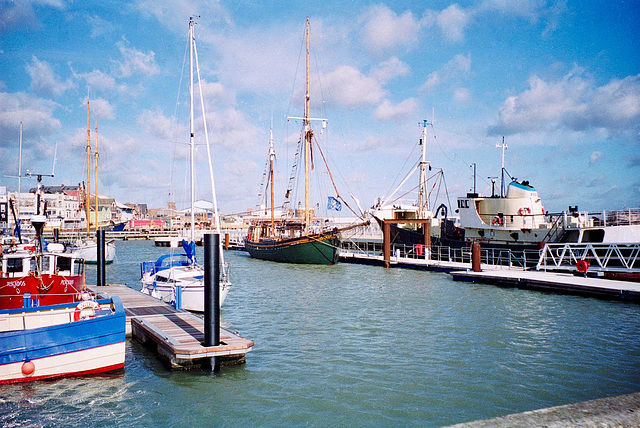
(75, 347)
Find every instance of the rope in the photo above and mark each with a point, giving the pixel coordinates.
(333, 183)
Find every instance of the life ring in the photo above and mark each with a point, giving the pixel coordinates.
(582, 266)
(85, 310)
(524, 211)
(496, 221)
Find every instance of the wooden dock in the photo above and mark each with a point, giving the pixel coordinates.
(177, 335)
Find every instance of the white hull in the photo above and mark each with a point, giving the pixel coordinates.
(88, 250)
(192, 295)
(80, 362)
(191, 280)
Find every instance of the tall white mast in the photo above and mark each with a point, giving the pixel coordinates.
(423, 197)
(503, 146)
(216, 214)
(191, 134)
(87, 199)
(19, 173)
(96, 175)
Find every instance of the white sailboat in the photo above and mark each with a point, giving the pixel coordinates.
(179, 278)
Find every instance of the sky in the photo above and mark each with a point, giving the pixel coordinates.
(558, 80)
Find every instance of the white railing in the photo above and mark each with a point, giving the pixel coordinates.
(615, 257)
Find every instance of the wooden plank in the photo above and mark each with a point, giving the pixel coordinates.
(178, 334)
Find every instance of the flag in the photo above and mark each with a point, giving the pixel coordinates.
(334, 204)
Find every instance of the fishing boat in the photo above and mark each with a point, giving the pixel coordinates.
(87, 248)
(515, 219)
(61, 340)
(395, 207)
(180, 278)
(42, 275)
(300, 237)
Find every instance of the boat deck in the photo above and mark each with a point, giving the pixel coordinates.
(176, 334)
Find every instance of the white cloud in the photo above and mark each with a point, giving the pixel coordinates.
(350, 88)
(99, 81)
(136, 62)
(573, 103)
(384, 29)
(99, 26)
(21, 14)
(461, 95)
(101, 109)
(44, 80)
(36, 114)
(595, 157)
(389, 111)
(175, 14)
(455, 68)
(390, 69)
(452, 22)
(549, 12)
(156, 124)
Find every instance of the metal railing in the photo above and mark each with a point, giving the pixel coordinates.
(500, 257)
(612, 257)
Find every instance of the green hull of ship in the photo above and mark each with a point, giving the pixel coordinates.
(321, 250)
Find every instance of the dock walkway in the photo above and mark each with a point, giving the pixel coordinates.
(505, 276)
(565, 283)
(178, 335)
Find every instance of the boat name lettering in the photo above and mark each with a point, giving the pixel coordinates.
(16, 284)
(66, 282)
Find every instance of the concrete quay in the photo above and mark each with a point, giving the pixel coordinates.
(619, 411)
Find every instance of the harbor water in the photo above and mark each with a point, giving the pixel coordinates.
(360, 346)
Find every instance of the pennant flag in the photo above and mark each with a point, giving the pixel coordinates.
(334, 204)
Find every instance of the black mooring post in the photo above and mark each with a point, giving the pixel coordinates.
(212, 295)
(100, 258)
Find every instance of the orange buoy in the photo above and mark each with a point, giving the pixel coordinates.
(28, 368)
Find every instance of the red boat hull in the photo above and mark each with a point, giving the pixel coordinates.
(45, 290)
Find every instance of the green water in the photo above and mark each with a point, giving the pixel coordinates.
(359, 346)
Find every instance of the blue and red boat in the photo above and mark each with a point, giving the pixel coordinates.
(62, 340)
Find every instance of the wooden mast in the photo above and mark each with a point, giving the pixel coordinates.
(307, 141)
(96, 176)
(271, 156)
(88, 192)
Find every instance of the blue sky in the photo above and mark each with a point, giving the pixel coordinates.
(560, 80)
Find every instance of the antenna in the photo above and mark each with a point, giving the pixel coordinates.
(55, 158)
(503, 146)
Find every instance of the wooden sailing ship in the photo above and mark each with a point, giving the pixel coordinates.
(299, 238)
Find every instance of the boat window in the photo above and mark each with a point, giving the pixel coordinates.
(14, 265)
(570, 236)
(63, 263)
(593, 235)
(46, 263)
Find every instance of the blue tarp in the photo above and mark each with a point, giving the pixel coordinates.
(190, 249)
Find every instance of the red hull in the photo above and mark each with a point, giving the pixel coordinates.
(47, 290)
